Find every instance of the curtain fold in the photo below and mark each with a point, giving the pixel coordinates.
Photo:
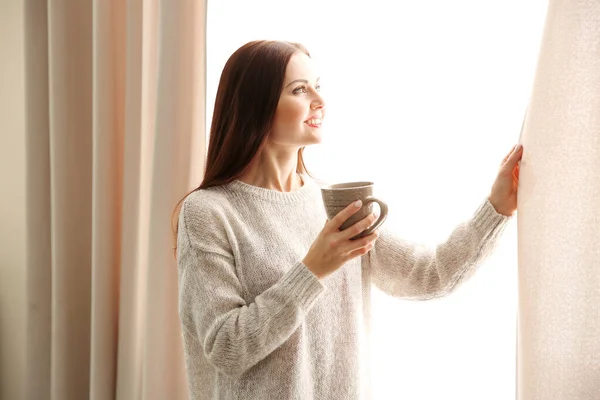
(39, 274)
(115, 101)
(142, 41)
(70, 101)
(178, 146)
(558, 220)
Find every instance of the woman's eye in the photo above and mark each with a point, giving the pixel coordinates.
(303, 89)
(300, 89)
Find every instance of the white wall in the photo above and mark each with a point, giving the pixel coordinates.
(12, 202)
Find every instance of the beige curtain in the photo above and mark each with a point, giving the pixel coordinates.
(115, 95)
(559, 212)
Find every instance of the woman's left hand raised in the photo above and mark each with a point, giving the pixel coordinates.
(504, 191)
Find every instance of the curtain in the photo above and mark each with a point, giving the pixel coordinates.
(559, 217)
(115, 96)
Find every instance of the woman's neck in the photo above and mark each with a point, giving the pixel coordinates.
(274, 171)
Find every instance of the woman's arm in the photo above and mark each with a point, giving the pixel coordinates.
(408, 270)
(235, 335)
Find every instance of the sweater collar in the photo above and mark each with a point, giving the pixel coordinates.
(306, 191)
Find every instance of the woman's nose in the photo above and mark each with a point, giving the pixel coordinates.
(317, 103)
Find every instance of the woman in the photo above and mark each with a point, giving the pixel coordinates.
(274, 304)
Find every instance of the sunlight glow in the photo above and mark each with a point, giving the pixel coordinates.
(425, 99)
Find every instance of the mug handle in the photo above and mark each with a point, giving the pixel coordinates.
(382, 217)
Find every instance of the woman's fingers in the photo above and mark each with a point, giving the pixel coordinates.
(508, 155)
(353, 245)
(513, 158)
(358, 227)
(360, 252)
(343, 215)
(362, 246)
(512, 152)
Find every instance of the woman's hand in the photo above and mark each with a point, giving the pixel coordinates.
(504, 191)
(332, 248)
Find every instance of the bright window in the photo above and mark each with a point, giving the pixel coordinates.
(424, 98)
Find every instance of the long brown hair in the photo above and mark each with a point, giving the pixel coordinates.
(247, 97)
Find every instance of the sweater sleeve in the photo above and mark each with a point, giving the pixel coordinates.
(412, 271)
(235, 335)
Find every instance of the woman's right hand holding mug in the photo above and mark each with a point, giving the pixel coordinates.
(333, 248)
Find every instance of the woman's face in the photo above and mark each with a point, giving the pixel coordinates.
(301, 108)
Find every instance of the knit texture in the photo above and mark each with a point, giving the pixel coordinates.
(257, 324)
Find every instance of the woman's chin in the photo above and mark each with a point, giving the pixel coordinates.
(315, 138)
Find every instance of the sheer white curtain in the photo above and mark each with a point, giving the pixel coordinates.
(559, 217)
(424, 99)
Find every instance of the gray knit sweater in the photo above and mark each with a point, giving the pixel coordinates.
(257, 324)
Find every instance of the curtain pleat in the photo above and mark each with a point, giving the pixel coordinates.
(109, 63)
(180, 119)
(70, 94)
(142, 25)
(39, 255)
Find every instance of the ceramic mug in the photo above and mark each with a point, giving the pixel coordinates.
(339, 196)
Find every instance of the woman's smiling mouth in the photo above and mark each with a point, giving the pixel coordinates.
(314, 122)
